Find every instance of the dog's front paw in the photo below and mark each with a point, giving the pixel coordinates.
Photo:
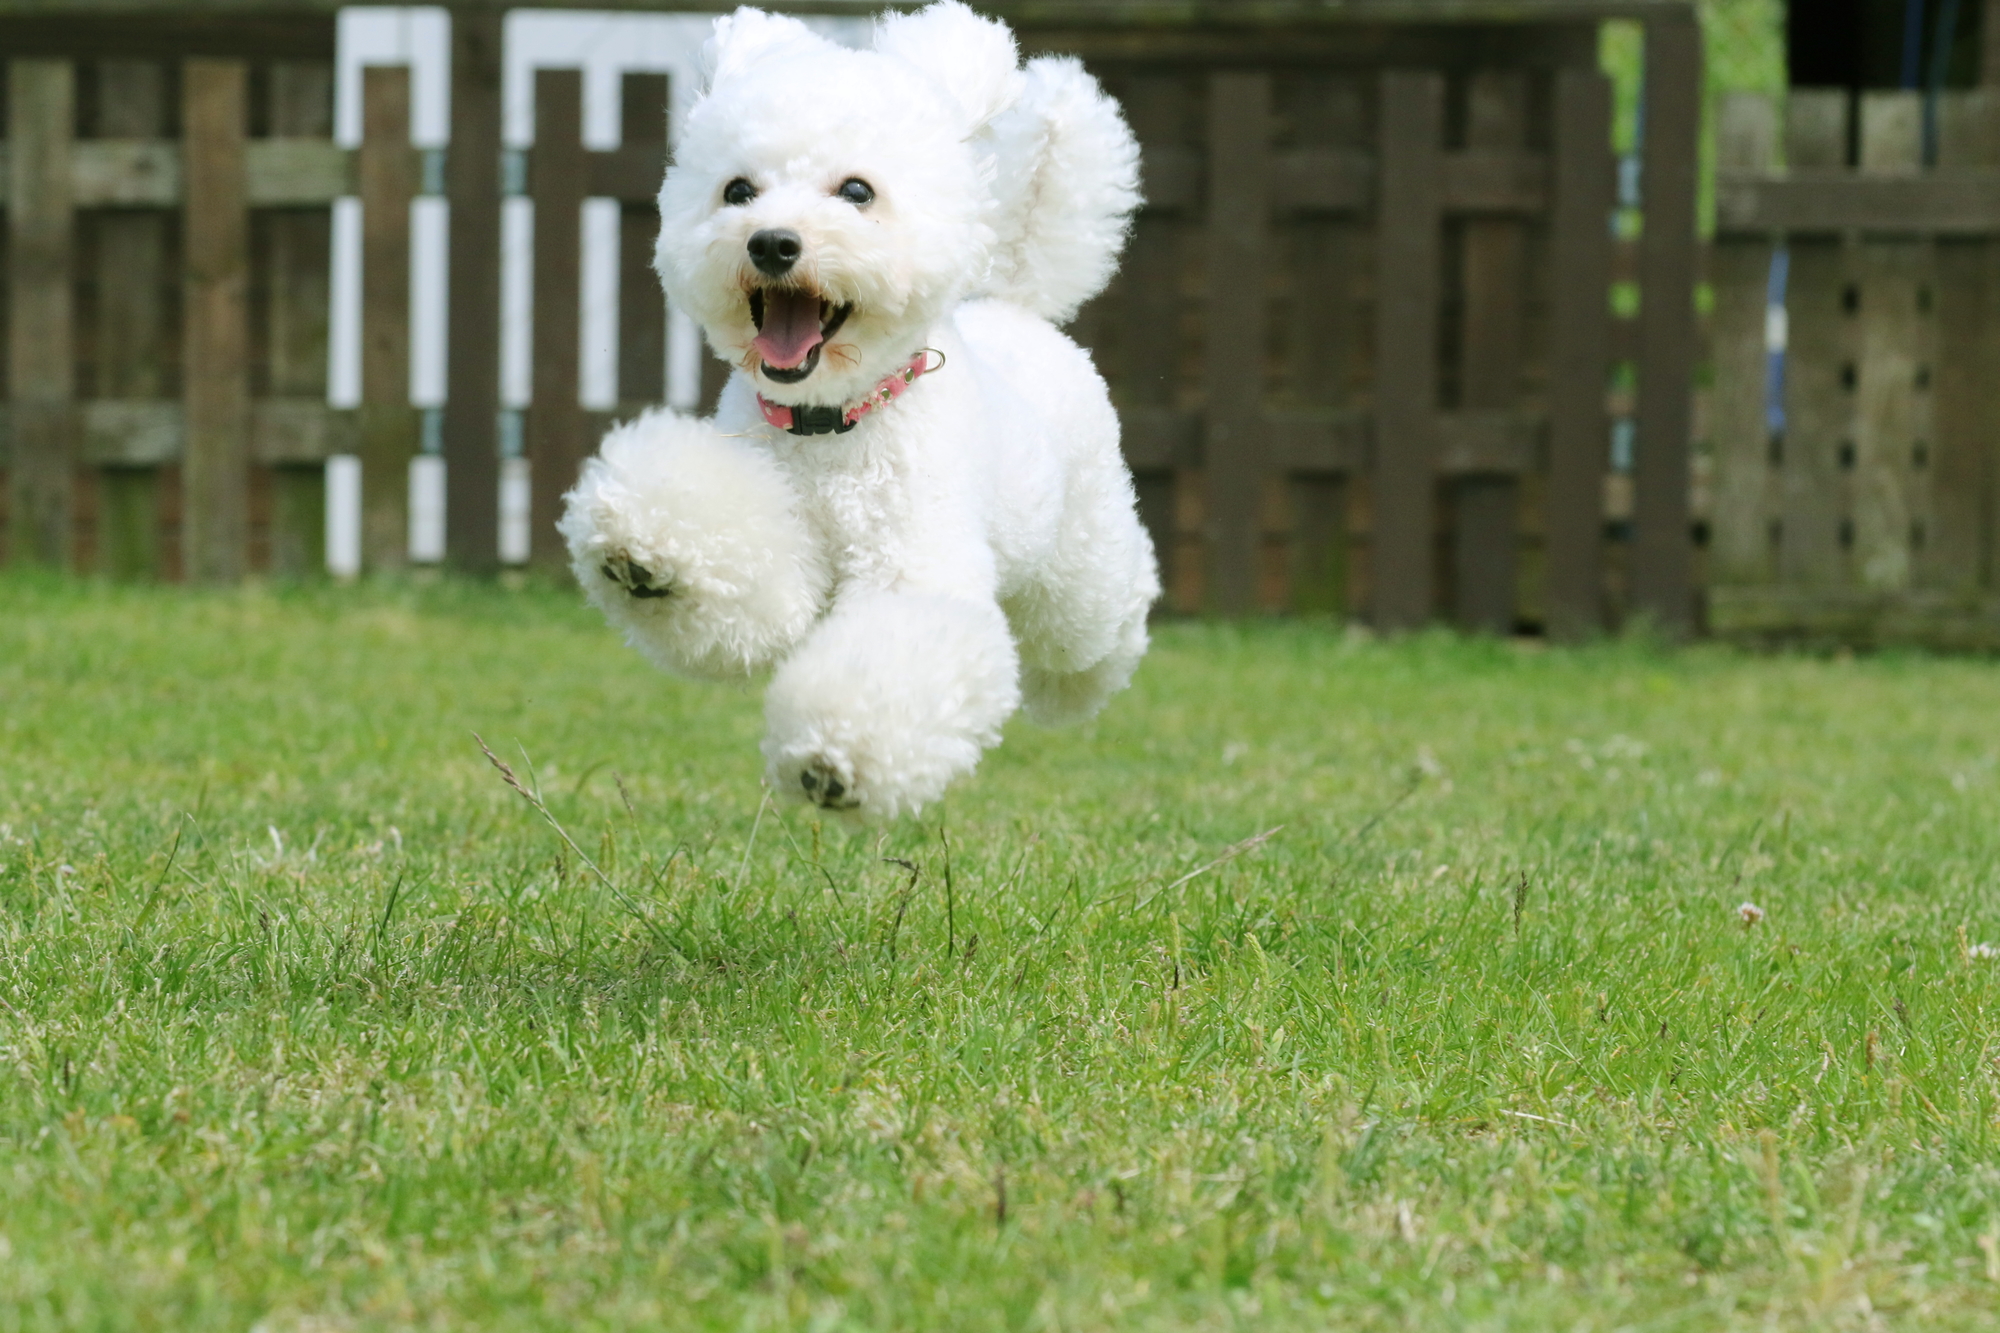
(690, 541)
(828, 784)
(889, 699)
(636, 579)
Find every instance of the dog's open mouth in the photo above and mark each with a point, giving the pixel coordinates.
(792, 325)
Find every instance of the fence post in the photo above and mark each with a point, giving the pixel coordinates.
(388, 170)
(128, 332)
(472, 359)
(1662, 552)
(1892, 393)
(1819, 361)
(296, 252)
(215, 462)
(1989, 79)
(1579, 363)
(1233, 449)
(1749, 449)
(41, 375)
(558, 180)
(1404, 490)
(1148, 334)
(1485, 508)
(1989, 42)
(1967, 413)
(642, 308)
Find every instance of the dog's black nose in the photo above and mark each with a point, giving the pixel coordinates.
(774, 250)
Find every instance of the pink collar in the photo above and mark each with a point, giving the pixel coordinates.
(835, 421)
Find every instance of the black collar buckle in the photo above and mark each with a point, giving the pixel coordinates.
(820, 421)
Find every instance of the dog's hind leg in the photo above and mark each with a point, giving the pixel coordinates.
(1055, 697)
(1082, 626)
(891, 696)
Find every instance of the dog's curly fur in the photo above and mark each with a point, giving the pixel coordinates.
(966, 549)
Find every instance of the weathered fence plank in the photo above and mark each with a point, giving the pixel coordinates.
(1149, 294)
(1965, 408)
(147, 173)
(1323, 331)
(1749, 453)
(1815, 525)
(1819, 369)
(555, 427)
(1404, 481)
(1234, 464)
(41, 378)
(642, 309)
(130, 324)
(293, 261)
(1662, 552)
(1816, 129)
(1493, 333)
(1892, 370)
(129, 336)
(216, 329)
(390, 173)
(1579, 362)
(472, 186)
(1966, 418)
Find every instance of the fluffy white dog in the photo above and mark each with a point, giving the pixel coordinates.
(911, 500)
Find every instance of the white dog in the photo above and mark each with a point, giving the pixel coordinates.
(911, 500)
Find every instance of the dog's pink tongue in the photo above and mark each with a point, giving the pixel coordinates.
(790, 329)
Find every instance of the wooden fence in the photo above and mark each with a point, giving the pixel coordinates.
(1855, 416)
(167, 301)
(145, 423)
(1361, 341)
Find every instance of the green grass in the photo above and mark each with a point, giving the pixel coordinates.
(308, 1022)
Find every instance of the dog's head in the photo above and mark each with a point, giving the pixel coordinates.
(826, 204)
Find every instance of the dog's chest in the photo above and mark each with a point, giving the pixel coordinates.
(858, 503)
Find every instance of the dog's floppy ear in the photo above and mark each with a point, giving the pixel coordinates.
(748, 36)
(973, 58)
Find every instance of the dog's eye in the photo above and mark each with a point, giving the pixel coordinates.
(738, 191)
(856, 191)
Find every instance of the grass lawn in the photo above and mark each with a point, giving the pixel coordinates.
(307, 1021)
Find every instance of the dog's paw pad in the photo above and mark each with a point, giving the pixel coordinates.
(635, 578)
(825, 788)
